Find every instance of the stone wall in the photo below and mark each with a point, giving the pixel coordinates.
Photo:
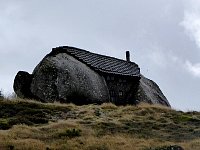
(122, 89)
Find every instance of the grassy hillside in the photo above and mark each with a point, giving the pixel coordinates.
(26, 124)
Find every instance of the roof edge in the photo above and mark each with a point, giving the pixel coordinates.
(63, 49)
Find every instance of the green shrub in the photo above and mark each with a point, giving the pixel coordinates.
(19, 112)
(4, 124)
(186, 118)
(71, 133)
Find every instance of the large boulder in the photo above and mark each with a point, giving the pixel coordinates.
(149, 92)
(22, 84)
(64, 78)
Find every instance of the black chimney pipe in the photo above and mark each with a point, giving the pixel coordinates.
(128, 56)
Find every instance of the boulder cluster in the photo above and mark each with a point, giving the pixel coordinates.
(64, 78)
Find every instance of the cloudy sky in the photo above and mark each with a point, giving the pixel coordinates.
(163, 37)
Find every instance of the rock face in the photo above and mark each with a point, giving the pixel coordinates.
(22, 84)
(149, 92)
(62, 77)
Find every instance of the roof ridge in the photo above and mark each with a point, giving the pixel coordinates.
(75, 48)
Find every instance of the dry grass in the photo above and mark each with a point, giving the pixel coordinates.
(23, 137)
(99, 127)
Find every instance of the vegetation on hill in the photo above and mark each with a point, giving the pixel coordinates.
(1, 95)
(26, 124)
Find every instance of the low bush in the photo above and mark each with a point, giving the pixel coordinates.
(171, 147)
(29, 113)
(4, 124)
(1, 96)
(71, 133)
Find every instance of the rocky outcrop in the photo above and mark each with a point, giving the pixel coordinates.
(62, 77)
(149, 92)
(22, 84)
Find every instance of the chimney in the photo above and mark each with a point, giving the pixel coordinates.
(128, 56)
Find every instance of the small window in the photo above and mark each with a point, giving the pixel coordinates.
(120, 93)
(112, 78)
(112, 93)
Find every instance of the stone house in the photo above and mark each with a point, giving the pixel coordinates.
(69, 74)
(121, 76)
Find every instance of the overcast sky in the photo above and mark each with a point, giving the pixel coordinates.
(163, 37)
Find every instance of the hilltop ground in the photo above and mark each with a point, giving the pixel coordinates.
(26, 124)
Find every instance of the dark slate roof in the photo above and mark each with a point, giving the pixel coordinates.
(99, 62)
